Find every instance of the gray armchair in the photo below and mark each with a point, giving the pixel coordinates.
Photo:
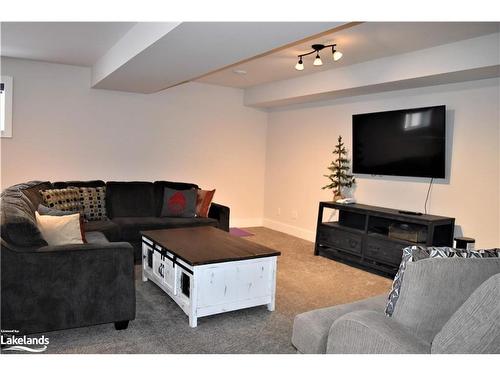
(445, 306)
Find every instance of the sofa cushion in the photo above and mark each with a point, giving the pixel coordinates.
(44, 210)
(310, 329)
(179, 203)
(130, 199)
(130, 227)
(33, 193)
(96, 237)
(91, 183)
(159, 190)
(17, 218)
(108, 228)
(372, 332)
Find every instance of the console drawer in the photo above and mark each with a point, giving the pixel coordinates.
(164, 270)
(386, 251)
(340, 239)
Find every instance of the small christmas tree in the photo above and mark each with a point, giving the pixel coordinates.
(339, 169)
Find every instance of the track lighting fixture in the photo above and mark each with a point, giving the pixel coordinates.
(337, 55)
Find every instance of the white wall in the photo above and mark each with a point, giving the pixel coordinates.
(300, 140)
(203, 133)
(64, 130)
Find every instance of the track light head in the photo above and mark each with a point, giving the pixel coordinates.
(299, 65)
(317, 60)
(337, 55)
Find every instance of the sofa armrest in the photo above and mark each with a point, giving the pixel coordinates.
(59, 287)
(371, 332)
(475, 327)
(221, 214)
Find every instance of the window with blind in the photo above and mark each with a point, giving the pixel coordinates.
(6, 106)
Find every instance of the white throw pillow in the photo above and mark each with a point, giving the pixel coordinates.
(60, 230)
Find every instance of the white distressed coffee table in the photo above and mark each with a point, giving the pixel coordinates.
(207, 271)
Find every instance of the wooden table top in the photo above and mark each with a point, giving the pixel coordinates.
(206, 245)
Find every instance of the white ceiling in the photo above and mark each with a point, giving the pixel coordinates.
(359, 43)
(193, 49)
(73, 43)
(211, 52)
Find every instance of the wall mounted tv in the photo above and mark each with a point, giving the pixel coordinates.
(409, 142)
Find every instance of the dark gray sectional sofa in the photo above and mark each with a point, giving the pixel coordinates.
(46, 288)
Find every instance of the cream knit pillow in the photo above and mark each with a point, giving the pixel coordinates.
(60, 230)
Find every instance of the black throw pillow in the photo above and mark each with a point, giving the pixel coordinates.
(179, 203)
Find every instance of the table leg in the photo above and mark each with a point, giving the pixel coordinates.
(193, 321)
(193, 300)
(271, 305)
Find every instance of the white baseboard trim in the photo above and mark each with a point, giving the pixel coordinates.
(290, 229)
(242, 223)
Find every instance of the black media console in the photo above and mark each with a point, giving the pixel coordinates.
(369, 237)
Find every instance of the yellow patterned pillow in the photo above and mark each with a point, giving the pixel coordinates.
(62, 199)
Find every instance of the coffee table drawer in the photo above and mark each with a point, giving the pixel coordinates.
(164, 271)
(229, 282)
(160, 266)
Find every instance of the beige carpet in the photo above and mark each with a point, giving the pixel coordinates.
(304, 282)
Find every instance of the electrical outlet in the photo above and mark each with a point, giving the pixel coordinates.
(278, 211)
(295, 215)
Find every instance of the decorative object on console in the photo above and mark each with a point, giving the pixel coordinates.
(337, 55)
(416, 253)
(60, 230)
(179, 203)
(203, 201)
(67, 199)
(93, 202)
(346, 201)
(339, 168)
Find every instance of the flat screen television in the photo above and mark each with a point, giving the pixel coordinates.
(409, 142)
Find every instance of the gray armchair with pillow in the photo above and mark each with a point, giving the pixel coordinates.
(445, 305)
(50, 287)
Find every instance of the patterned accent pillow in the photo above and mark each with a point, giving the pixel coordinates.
(62, 199)
(416, 253)
(93, 202)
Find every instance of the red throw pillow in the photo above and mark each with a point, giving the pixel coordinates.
(203, 202)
